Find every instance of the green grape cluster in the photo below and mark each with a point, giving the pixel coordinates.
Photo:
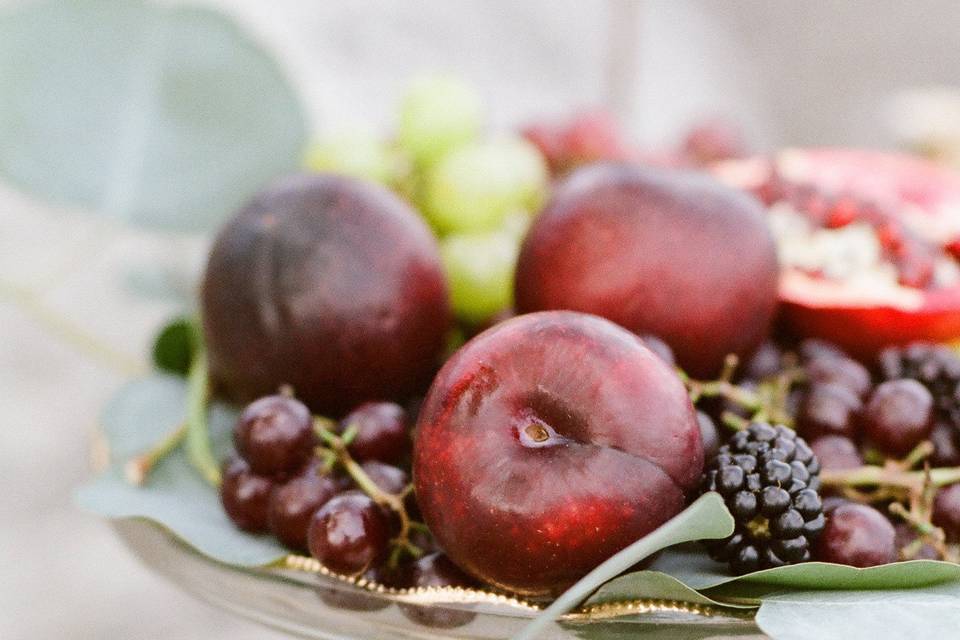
(477, 192)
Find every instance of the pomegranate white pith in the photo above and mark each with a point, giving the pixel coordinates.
(864, 240)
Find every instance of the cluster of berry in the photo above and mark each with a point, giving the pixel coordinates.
(343, 503)
(900, 415)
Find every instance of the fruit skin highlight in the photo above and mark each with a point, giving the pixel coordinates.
(331, 285)
(675, 254)
(547, 444)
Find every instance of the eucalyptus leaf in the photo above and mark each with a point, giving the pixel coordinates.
(168, 116)
(693, 568)
(707, 518)
(175, 495)
(654, 585)
(176, 345)
(932, 612)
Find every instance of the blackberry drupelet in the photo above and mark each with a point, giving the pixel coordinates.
(769, 479)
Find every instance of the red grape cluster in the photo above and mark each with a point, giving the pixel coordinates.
(277, 483)
(898, 414)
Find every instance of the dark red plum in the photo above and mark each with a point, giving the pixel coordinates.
(671, 253)
(547, 444)
(331, 285)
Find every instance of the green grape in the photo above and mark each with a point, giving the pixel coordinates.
(480, 270)
(477, 187)
(438, 114)
(355, 153)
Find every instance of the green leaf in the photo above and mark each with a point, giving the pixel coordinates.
(654, 585)
(165, 115)
(705, 519)
(933, 612)
(693, 568)
(175, 495)
(176, 345)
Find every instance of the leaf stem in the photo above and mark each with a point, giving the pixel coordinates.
(68, 331)
(136, 469)
(199, 450)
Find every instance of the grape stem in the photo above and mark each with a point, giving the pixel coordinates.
(767, 403)
(874, 476)
(338, 445)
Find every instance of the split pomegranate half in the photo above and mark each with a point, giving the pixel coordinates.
(868, 243)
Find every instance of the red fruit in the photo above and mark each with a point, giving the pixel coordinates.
(836, 453)
(946, 511)
(591, 136)
(382, 432)
(898, 415)
(857, 535)
(912, 206)
(275, 435)
(713, 140)
(547, 444)
(670, 253)
(349, 534)
(946, 453)
(245, 496)
(293, 504)
(842, 371)
(766, 361)
(330, 284)
(828, 409)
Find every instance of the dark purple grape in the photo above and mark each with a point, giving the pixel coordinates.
(828, 409)
(813, 348)
(946, 511)
(836, 452)
(832, 502)
(946, 453)
(905, 535)
(349, 534)
(898, 415)
(856, 535)
(436, 570)
(293, 504)
(382, 432)
(843, 371)
(275, 435)
(388, 477)
(659, 347)
(391, 480)
(709, 435)
(765, 362)
(245, 496)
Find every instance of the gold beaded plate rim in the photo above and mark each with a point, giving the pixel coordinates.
(297, 564)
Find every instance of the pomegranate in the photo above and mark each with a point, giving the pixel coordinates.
(868, 243)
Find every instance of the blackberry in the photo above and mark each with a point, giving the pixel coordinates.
(936, 367)
(769, 479)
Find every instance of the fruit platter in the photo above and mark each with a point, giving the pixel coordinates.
(448, 383)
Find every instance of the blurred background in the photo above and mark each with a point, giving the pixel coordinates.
(129, 130)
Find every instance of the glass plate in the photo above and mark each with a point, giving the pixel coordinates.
(310, 605)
